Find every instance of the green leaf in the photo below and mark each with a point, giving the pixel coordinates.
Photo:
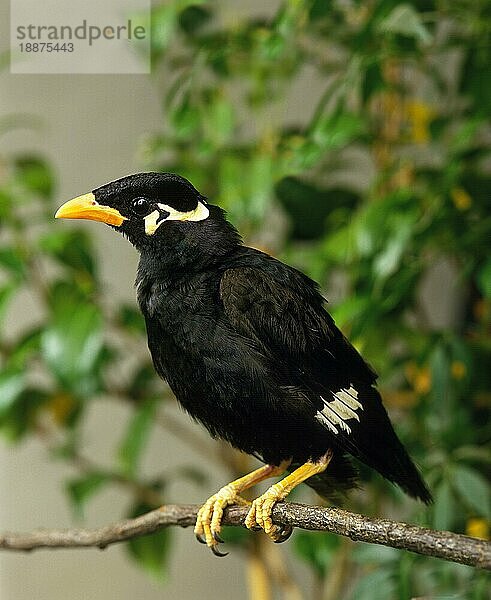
(220, 120)
(193, 474)
(236, 536)
(36, 175)
(387, 261)
(444, 507)
(164, 21)
(231, 183)
(25, 347)
(474, 489)
(335, 131)
(317, 549)
(72, 248)
(353, 308)
(72, 346)
(260, 184)
(464, 136)
(136, 437)
(185, 118)
(473, 454)
(320, 9)
(310, 206)
(150, 551)
(405, 20)
(11, 261)
(22, 414)
(5, 204)
(440, 381)
(484, 279)
(475, 82)
(12, 384)
(192, 18)
(373, 81)
(142, 384)
(371, 554)
(6, 294)
(80, 490)
(131, 319)
(377, 584)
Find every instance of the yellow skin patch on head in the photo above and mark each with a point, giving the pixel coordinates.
(153, 221)
(86, 207)
(151, 224)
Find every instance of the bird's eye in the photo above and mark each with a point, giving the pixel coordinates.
(140, 206)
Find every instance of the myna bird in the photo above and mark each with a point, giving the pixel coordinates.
(249, 350)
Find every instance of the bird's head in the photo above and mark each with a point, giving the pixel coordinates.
(155, 210)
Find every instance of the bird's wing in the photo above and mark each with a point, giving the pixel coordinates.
(281, 310)
(286, 316)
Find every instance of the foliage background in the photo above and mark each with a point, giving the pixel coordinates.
(379, 188)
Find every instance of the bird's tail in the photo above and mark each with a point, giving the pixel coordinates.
(374, 442)
(378, 446)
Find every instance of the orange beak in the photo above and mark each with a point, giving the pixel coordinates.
(86, 207)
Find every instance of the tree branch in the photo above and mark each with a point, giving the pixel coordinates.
(439, 544)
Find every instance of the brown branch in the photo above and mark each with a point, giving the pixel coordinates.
(440, 544)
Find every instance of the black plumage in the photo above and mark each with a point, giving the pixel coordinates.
(245, 341)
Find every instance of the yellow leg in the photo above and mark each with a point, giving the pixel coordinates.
(208, 520)
(260, 511)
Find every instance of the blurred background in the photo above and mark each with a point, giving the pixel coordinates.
(351, 140)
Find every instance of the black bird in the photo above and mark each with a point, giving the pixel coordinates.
(249, 350)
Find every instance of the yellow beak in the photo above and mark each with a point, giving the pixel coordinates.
(86, 207)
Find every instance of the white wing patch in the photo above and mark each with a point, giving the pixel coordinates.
(336, 412)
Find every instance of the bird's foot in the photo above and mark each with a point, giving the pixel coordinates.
(209, 518)
(260, 511)
(259, 514)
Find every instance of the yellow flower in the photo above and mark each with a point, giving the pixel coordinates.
(422, 383)
(61, 407)
(482, 309)
(400, 398)
(404, 176)
(410, 370)
(419, 378)
(478, 528)
(461, 198)
(419, 115)
(458, 369)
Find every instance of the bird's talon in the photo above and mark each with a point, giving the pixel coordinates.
(200, 539)
(259, 516)
(284, 534)
(217, 552)
(209, 518)
(217, 538)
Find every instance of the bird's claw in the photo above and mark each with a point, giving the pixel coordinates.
(217, 538)
(284, 534)
(217, 552)
(259, 515)
(209, 518)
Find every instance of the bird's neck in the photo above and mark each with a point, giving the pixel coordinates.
(185, 249)
(170, 266)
